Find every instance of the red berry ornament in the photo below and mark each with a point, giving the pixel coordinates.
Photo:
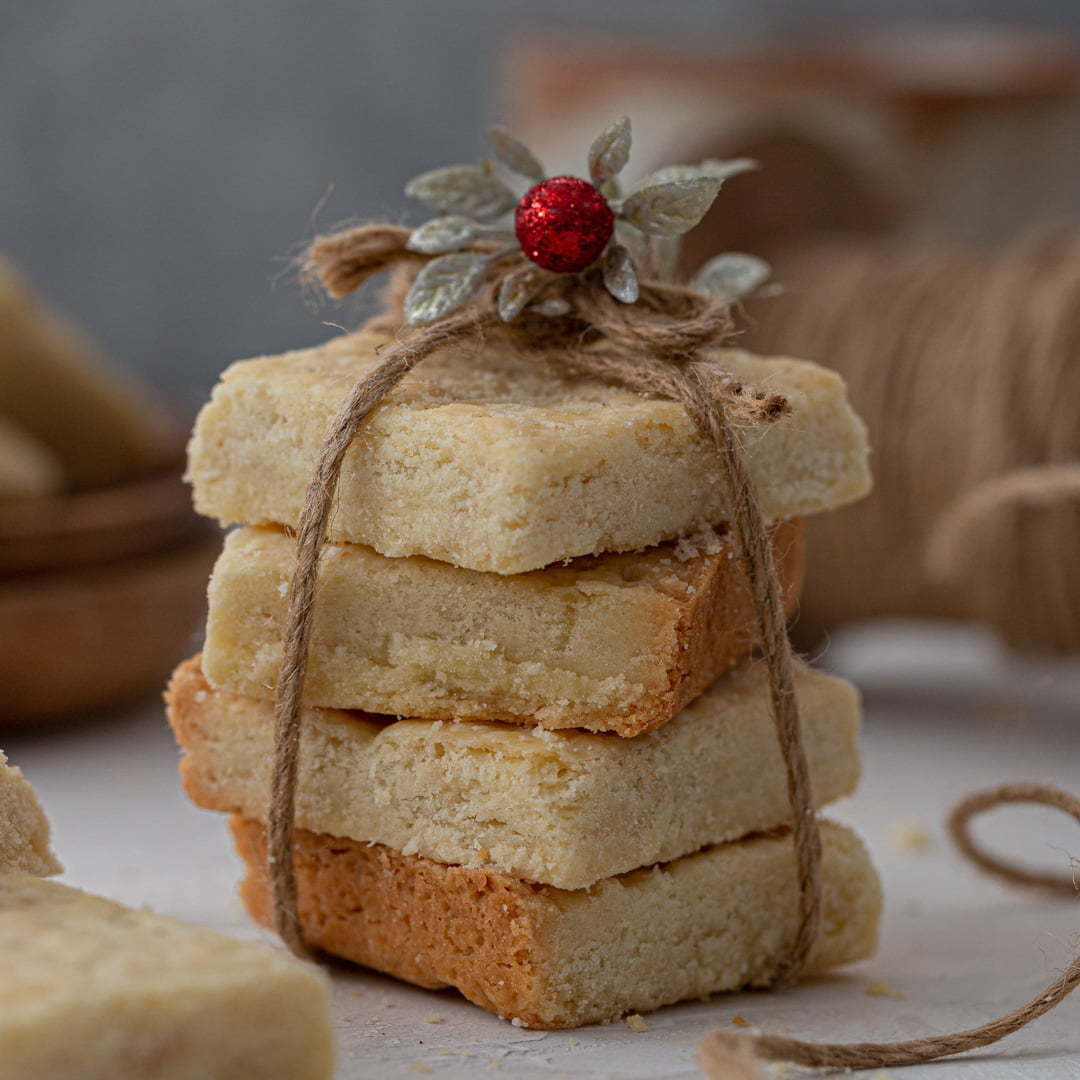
(563, 224)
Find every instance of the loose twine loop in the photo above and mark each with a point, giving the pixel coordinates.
(653, 347)
(734, 1056)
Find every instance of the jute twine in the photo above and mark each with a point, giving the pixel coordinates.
(733, 1056)
(652, 347)
(966, 369)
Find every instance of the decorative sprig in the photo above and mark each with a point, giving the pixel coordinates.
(474, 236)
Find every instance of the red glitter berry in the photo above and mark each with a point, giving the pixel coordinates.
(563, 224)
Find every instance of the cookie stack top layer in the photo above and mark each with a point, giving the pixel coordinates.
(497, 461)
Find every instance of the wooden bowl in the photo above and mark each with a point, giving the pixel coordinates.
(84, 638)
(101, 593)
(82, 528)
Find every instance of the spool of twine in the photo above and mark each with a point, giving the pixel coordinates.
(967, 372)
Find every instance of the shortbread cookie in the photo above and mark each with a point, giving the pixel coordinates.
(612, 643)
(92, 990)
(24, 829)
(564, 808)
(547, 958)
(57, 389)
(497, 461)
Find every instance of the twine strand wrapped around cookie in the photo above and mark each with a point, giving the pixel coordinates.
(655, 350)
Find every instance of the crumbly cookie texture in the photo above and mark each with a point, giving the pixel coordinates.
(497, 461)
(542, 957)
(565, 808)
(24, 829)
(609, 643)
(92, 990)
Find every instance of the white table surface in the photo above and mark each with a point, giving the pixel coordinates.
(946, 713)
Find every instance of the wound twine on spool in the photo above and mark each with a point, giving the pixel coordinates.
(967, 372)
(651, 347)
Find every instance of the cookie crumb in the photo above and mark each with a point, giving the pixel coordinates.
(910, 838)
(740, 1021)
(433, 1018)
(636, 1023)
(880, 988)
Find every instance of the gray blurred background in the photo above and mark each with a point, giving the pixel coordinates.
(161, 160)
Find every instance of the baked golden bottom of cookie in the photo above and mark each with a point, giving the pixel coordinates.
(543, 957)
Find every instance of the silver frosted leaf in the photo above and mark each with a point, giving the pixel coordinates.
(517, 290)
(443, 286)
(714, 167)
(620, 278)
(515, 155)
(471, 190)
(610, 152)
(442, 234)
(732, 276)
(729, 167)
(672, 208)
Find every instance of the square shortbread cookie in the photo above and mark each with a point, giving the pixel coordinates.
(92, 990)
(611, 643)
(562, 808)
(720, 919)
(496, 461)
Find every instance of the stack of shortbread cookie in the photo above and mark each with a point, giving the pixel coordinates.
(538, 761)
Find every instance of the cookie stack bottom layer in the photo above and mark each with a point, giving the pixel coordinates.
(547, 958)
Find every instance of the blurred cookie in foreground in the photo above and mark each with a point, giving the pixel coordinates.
(92, 990)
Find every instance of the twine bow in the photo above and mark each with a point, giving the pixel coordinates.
(654, 346)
